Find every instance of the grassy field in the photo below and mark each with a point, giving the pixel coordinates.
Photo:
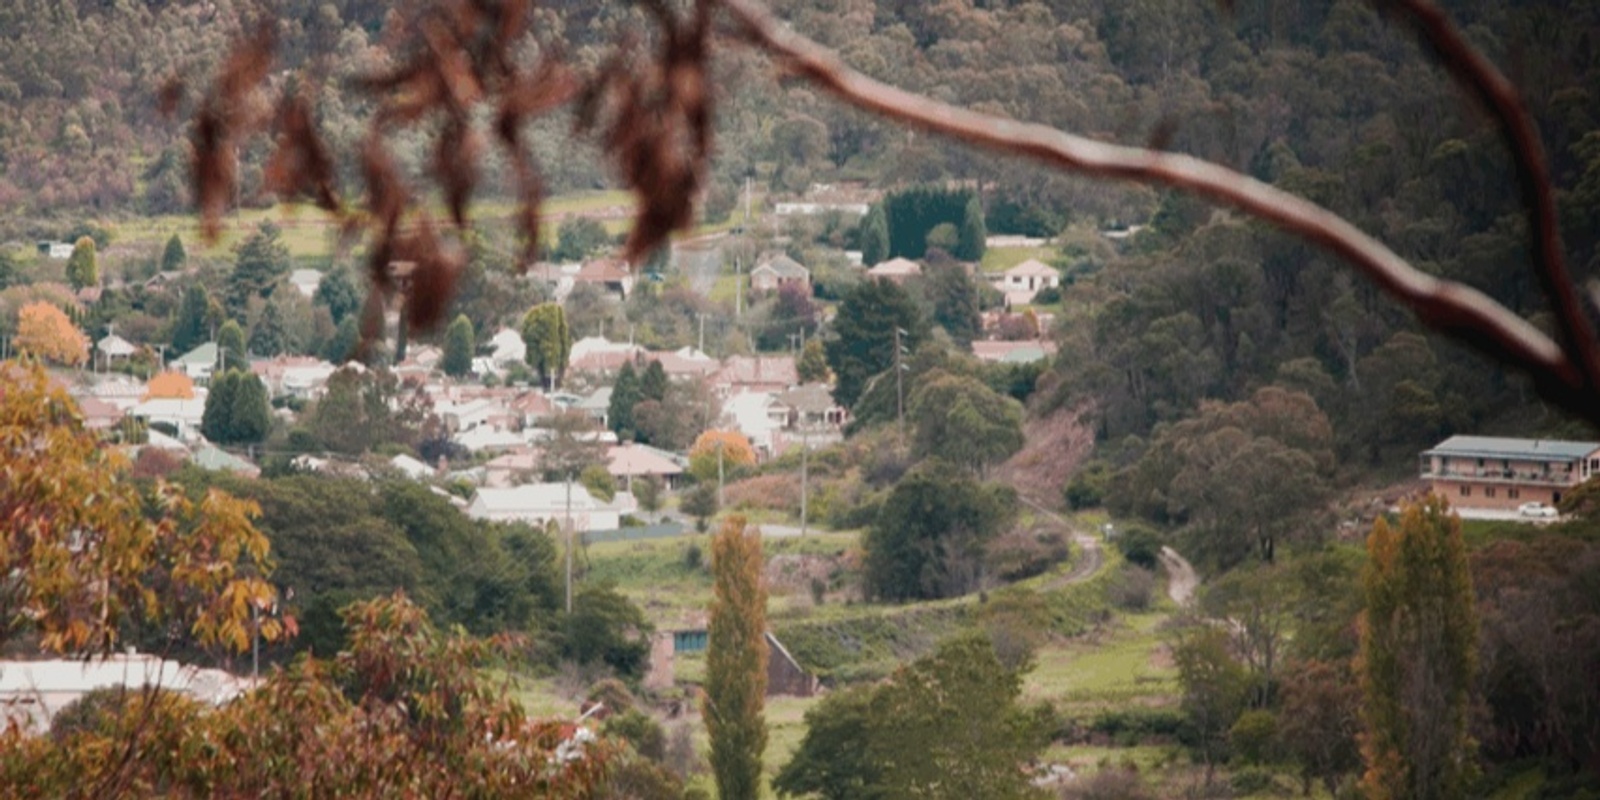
(1126, 665)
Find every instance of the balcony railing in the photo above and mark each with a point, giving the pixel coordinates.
(1499, 476)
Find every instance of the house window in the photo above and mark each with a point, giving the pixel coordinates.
(1488, 491)
(1514, 494)
(1466, 491)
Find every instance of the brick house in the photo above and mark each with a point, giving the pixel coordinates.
(774, 272)
(1492, 473)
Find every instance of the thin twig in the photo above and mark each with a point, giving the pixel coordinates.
(1452, 308)
(1504, 102)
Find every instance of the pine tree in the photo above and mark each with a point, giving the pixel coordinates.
(189, 329)
(653, 382)
(736, 661)
(230, 344)
(458, 347)
(173, 255)
(971, 235)
(259, 263)
(874, 237)
(1418, 661)
(216, 422)
(863, 342)
(625, 394)
(271, 336)
(813, 366)
(83, 267)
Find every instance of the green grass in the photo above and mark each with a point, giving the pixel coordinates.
(1000, 259)
(1125, 667)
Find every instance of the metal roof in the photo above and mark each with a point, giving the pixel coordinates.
(1524, 449)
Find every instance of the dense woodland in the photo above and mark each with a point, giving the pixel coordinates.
(1238, 382)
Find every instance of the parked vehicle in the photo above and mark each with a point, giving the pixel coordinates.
(1539, 510)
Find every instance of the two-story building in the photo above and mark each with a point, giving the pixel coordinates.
(1487, 472)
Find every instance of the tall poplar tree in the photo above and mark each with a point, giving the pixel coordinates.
(1419, 638)
(459, 346)
(83, 267)
(549, 341)
(736, 661)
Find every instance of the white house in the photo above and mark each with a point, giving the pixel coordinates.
(539, 503)
(897, 270)
(183, 414)
(33, 692)
(508, 347)
(198, 363)
(758, 416)
(306, 281)
(1023, 281)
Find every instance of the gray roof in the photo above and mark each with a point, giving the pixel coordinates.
(1523, 449)
(784, 266)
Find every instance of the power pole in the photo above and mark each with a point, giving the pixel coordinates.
(747, 203)
(738, 289)
(702, 333)
(569, 542)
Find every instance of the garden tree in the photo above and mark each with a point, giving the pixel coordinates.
(736, 659)
(1215, 690)
(605, 628)
(230, 345)
(1418, 661)
(941, 240)
(337, 293)
(962, 421)
(364, 409)
(864, 336)
(259, 263)
(89, 566)
(700, 502)
(791, 314)
(173, 255)
(598, 482)
(191, 329)
(813, 364)
(971, 235)
(947, 725)
(954, 298)
(928, 538)
(625, 394)
(459, 348)
(44, 331)
(341, 347)
(272, 335)
(572, 446)
(399, 711)
(874, 235)
(729, 448)
(83, 266)
(648, 492)
(237, 411)
(544, 330)
(1319, 720)
(578, 238)
(1260, 605)
(672, 423)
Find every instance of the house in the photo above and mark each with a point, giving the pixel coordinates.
(607, 274)
(183, 414)
(33, 692)
(756, 373)
(60, 251)
(508, 347)
(1483, 472)
(215, 459)
(811, 407)
(896, 270)
(198, 363)
(540, 503)
(759, 417)
(306, 281)
(597, 405)
(301, 377)
(684, 363)
(776, 271)
(98, 415)
(597, 355)
(628, 461)
(1020, 283)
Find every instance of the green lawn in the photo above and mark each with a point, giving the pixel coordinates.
(1128, 665)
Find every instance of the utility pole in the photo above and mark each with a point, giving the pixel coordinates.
(702, 333)
(569, 542)
(738, 289)
(747, 203)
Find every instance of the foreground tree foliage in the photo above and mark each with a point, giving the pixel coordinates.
(401, 712)
(93, 557)
(1419, 657)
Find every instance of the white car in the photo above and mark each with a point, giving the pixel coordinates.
(1539, 510)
